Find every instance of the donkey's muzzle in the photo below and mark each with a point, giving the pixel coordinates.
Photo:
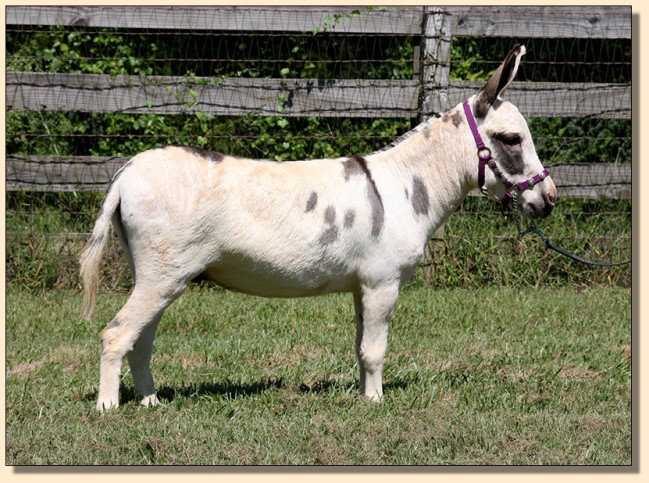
(540, 207)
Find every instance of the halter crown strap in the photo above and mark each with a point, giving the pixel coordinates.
(484, 158)
(484, 153)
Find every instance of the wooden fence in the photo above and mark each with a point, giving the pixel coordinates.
(429, 93)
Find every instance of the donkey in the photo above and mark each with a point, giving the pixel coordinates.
(303, 228)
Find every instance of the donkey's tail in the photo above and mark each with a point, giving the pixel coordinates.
(91, 255)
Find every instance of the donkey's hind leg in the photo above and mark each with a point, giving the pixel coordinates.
(131, 332)
(139, 359)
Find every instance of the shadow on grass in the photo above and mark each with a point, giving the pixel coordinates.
(349, 387)
(232, 390)
(226, 390)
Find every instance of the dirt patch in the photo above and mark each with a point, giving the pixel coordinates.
(575, 373)
(24, 370)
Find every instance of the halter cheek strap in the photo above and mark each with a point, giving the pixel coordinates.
(484, 158)
(484, 153)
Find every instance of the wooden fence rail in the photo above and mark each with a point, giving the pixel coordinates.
(301, 97)
(226, 97)
(525, 22)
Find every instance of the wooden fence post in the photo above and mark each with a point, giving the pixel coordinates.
(434, 78)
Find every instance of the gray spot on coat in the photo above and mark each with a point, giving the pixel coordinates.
(353, 166)
(329, 236)
(114, 324)
(330, 215)
(508, 157)
(330, 233)
(378, 213)
(350, 216)
(311, 202)
(456, 118)
(420, 199)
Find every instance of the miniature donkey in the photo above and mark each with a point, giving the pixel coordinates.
(294, 229)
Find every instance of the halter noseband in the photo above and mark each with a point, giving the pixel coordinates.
(484, 158)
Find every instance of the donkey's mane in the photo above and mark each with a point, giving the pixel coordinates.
(407, 135)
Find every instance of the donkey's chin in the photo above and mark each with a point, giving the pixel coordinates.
(537, 210)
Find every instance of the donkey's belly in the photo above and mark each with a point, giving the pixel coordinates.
(271, 284)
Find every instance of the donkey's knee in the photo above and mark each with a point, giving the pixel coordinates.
(371, 345)
(113, 340)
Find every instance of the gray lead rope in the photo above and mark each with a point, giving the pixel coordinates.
(532, 228)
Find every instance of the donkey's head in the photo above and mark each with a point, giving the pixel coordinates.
(508, 152)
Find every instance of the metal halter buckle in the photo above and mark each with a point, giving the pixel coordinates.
(486, 156)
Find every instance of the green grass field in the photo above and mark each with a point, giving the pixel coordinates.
(492, 376)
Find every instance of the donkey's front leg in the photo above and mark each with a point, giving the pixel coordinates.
(374, 308)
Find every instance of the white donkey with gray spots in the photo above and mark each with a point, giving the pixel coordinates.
(303, 228)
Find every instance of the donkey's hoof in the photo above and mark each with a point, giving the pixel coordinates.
(105, 405)
(150, 401)
(374, 397)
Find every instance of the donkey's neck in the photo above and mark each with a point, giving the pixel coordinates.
(437, 154)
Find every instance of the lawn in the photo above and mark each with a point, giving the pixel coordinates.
(494, 376)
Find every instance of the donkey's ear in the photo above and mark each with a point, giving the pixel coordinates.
(499, 81)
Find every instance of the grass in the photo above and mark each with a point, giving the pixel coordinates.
(494, 376)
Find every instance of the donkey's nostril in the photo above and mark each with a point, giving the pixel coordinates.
(552, 198)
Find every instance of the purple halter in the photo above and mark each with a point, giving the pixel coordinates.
(484, 158)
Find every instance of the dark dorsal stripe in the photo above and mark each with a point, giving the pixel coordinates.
(213, 156)
(358, 165)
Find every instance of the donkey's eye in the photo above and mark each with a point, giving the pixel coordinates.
(510, 139)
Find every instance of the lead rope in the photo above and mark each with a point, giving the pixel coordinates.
(532, 228)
